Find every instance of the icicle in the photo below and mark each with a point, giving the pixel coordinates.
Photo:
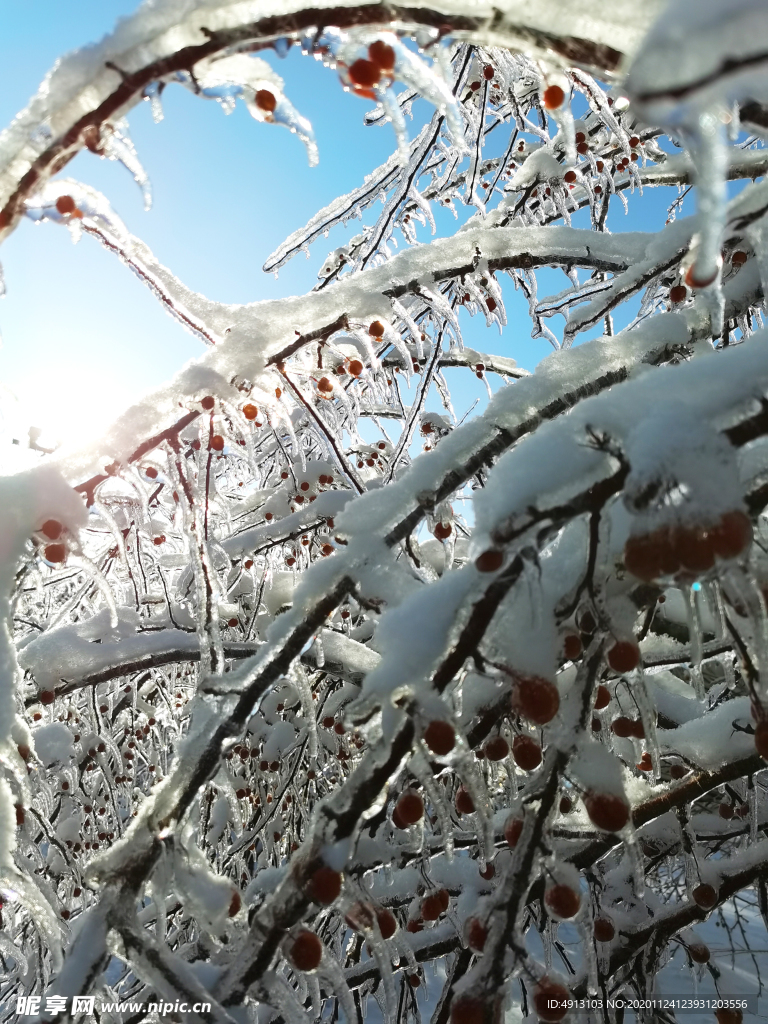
(103, 585)
(116, 144)
(330, 971)
(388, 100)
(281, 995)
(648, 717)
(694, 636)
(286, 114)
(380, 954)
(420, 767)
(152, 94)
(635, 857)
(710, 158)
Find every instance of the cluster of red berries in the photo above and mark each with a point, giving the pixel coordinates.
(688, 549)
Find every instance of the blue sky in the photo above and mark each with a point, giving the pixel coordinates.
(81, 336)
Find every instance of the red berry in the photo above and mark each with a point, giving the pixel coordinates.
(490, 560)
(761, 738)
(604, 929)
(704, 896)
(694, 282)
(306, 951)
(679, 771)
(622, 726)
(553, 97)
(732, 535)
(325, 885)
(570, 177)
(678, 293)
(624, 656)
(235, 903)
(464, 802)
(475, 934)
(699, 953)
(488, 872)
(563, 901)
(602, 698)
(440, 737)
(650, 556)
(572, 646)
(466, 1009)
(387, 923)
(526, 753)
(431, 907)
(51, 528)
(55, 553)
(382, 54)
(47, 697)
(645, 764)
(513, 829)
(207, 402)
(738, 258)
(66, 204)
(376, 329)
(583, 149)
(19, 814)
(726, 1015)
(325, 385)
(535, 698)
(151, 472)
(550, 1000)
(364, 72)
(217, 443)
(488, 72)
(491, 303)
(250, 411)
(355, 367)
(410, 808)
(443, 530)
(607, 811)
(266, 100)
(566, 805)
(496, 749)
(695, 548)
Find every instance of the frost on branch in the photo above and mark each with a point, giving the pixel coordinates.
(318, 689)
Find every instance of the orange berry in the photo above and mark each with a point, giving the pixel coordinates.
(325, 385)
(364, 72)
(376, 329)
(355, 367)
(382, 55)
(266, 100)
(65, 204)
(250, 411)
(738, 258)
(553, 97)
(217, 443)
